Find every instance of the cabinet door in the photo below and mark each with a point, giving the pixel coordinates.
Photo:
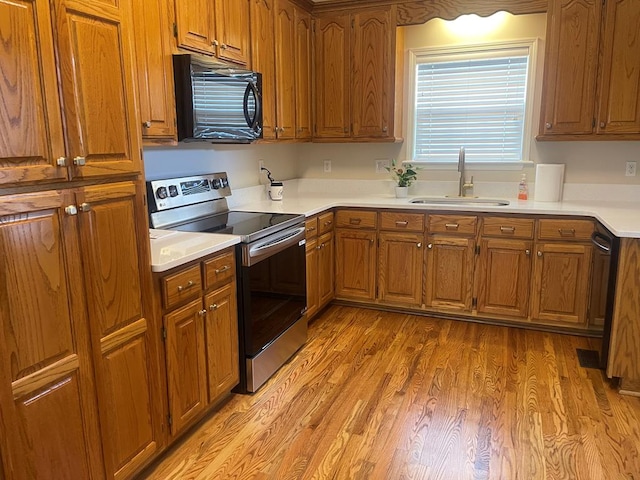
(505, 277)
(371, 75)
(221, 330)
(619, 110)
(30, 115)
(186, 364)
(49, 425)
(450, 272)
(96, 68)
(285, 70)
(571, 66)
(232, 30)
(263, 60)
(325, 269)
(332, 78)
(355, 264)
(156, 97)
(313, 273)
(401, 268)
(195, 24)
(561, 283)
(303, 73)
(123, 340)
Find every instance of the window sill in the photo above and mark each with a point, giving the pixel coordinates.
(495, 166)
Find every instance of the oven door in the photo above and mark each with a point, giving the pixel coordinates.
(274, 286)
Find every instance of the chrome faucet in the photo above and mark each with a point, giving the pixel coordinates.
(463, 185)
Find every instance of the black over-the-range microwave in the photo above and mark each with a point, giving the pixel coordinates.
(215, 102)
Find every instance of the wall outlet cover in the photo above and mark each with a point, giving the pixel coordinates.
(327, 166)
(631, 169)
(381, 164)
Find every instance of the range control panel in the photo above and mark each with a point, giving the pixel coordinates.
(179, 192)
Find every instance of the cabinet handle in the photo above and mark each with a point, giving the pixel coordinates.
(401, 224)
(567, 232)
(451, 226)
(430, 246)
(85, 207)
(327, 223)
(527, 252)
(147, 124)
(61, 161)
(189, 284)
(355, 221)
(202, 313)
(419, 245)
(79, 161)
(222, 269)
(539, 253)
(507, 229)
(548, 125)
(213, 307)
(71, 210)
(311, 229)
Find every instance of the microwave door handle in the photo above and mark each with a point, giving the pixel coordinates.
(258, 114)
(245, 105)
(251, 89)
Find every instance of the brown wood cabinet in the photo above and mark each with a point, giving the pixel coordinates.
(285, 70)
(401, 263)
(81, 78)
(153, 41)
(592, 71)
(214, 27)
(201, 335)
(320, 262)
(355, 74)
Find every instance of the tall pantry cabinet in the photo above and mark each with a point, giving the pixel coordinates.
(78, 382)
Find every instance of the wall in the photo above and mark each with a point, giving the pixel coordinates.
(586, 162)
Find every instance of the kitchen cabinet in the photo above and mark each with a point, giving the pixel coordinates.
(201, 335)
(450, 262)
(303, 73)
(355, 75)
(74, 284)
(356, 254)
(214, 27)
(505, 261)
(401, 258)
(285, 69)
(320, 262)
(592, 71)
(81, 77)
(153, 47)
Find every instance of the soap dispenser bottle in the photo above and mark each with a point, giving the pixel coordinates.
(523, 189)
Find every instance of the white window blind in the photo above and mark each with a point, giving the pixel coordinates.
(476, 100)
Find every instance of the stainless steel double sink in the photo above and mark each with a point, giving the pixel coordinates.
(459, 201)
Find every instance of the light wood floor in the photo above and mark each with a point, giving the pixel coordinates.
(378, 395)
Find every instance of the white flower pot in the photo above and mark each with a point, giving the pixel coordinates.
(402, 192)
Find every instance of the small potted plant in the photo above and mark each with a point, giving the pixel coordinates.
(404, 176)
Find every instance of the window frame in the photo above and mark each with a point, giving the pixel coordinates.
(415, 55)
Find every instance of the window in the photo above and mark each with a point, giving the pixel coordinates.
(476, 97)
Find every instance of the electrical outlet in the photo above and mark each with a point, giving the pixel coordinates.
(381, 165)
(327, 166)
(631, 169)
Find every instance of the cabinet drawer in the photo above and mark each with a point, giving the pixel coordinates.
(325, 223)
(508, 227)
(565, 229)
(311, 227)
(356, 219)
(410, 222)
(181, 286)
(463, 225)
(219, 269)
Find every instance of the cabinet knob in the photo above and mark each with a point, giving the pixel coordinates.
(71, 210)
(385, 129)
(61, 161)
(79, 161)
(372, 241)
(430, 246)
(602, 124)
(215, 43)
(223, 46)
(147, 124)
(548, 125)
(419, 245)
(539, 253)
(85, 207)
(213, 307)
(527, 252)
(281, 129)
(202, 313)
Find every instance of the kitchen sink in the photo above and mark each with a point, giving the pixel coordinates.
(459, 201)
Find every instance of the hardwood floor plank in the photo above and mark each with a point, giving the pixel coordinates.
(383, 395)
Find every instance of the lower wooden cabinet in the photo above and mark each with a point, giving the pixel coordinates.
(401, 260)
(320, 262)
(326, 272)
(313, 286)
(201, 336)
(356, 264)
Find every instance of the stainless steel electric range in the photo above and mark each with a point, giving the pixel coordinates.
(271, 272)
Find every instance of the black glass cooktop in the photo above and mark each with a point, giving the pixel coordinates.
(245, 224)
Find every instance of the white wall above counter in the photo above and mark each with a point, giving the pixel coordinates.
(618, 209)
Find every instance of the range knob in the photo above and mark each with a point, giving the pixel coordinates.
(224, 182)
(173, 191)
(216, 183)
(161, 193)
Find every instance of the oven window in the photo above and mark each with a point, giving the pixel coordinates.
(274, 297)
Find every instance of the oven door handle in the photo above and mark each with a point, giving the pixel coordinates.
(269, 247)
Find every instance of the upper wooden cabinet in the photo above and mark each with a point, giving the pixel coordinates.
(214, 27)
(81, 79)
(156, 98)
(592, 79)
(355, 64)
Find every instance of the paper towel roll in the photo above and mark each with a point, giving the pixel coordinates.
(549, 180)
